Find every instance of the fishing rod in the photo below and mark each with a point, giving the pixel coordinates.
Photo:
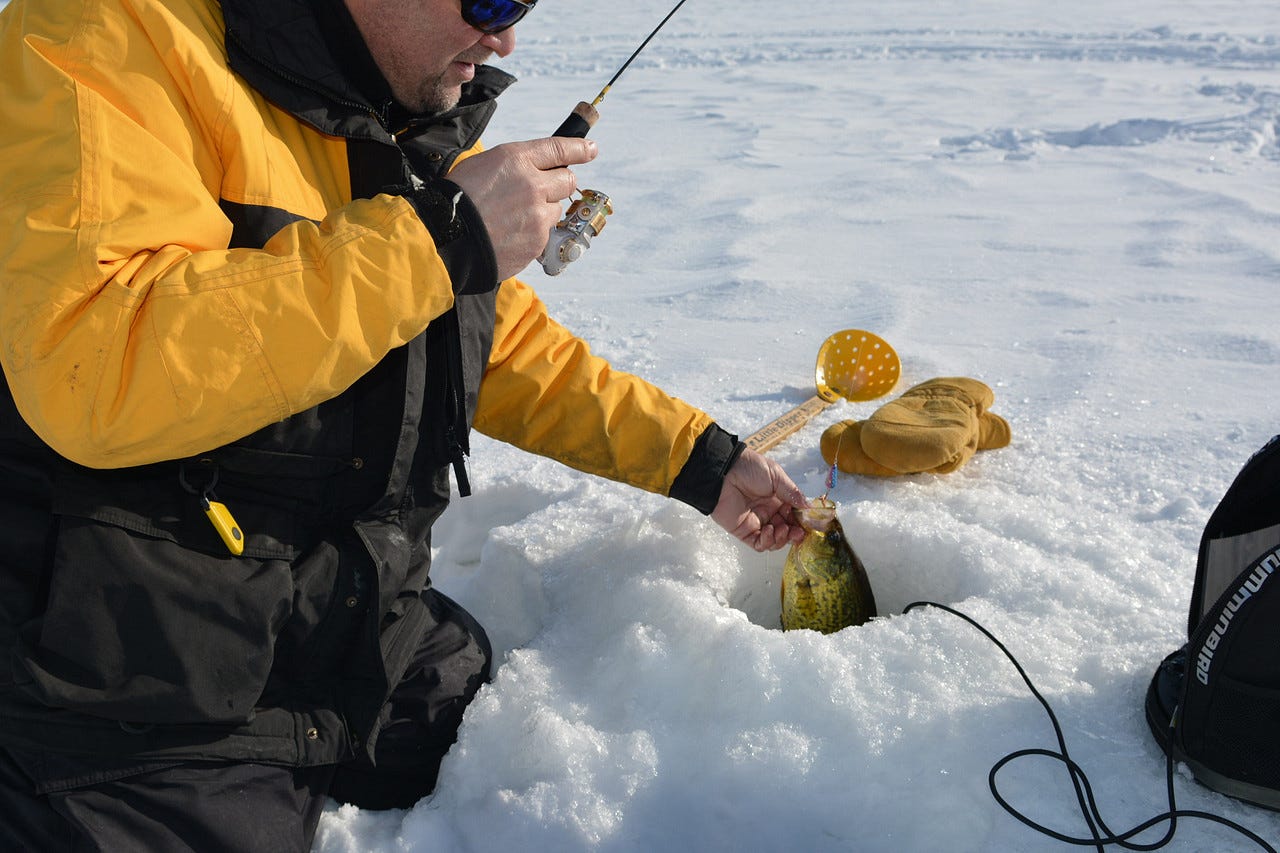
(585, 218)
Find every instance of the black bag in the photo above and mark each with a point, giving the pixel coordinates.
(1215, 703)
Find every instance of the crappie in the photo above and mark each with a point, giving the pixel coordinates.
(824, 585)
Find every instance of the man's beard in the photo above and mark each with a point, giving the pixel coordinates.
(437, 96)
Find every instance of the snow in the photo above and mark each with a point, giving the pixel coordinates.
(1075, 203)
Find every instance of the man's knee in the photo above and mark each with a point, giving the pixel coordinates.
(55, 802)
(420, 721)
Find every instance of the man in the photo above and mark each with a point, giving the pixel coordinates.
(246, 325)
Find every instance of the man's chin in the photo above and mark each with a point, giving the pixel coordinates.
(439, 99)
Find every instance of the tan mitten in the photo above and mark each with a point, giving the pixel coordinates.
(935, 426)
(842, 445)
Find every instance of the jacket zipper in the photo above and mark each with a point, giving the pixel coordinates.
(308, 85)
(457, 430)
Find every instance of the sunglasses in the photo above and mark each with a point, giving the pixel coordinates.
(494, 16)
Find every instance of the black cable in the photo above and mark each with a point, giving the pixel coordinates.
(1100, 834)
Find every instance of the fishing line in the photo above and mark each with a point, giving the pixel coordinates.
(1100, 834)
(831, 473)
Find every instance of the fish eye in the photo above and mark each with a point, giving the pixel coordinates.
(833, 537)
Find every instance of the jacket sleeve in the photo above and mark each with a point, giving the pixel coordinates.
(129, 331)
(544, 391)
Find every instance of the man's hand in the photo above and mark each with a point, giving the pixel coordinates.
(518, 189)
(756, 501)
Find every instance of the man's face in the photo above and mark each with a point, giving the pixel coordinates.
(424, 48)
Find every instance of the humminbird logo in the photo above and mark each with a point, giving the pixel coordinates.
(1261, 572)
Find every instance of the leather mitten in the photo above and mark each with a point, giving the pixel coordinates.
(933, 427)
(842, 444)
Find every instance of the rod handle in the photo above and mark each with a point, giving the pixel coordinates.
(581, 120)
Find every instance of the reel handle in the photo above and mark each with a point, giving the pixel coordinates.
(571, 237)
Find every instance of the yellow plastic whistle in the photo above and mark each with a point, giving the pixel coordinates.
(225, 524)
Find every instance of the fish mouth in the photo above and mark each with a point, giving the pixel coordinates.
(818, 516)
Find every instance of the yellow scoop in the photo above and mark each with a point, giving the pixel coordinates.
(852, 364)
(856, 365)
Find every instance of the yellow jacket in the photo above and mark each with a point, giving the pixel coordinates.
(132, 333)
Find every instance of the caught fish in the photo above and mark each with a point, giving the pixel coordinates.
(824, 585)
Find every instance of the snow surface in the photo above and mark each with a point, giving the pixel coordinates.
(1074, 202)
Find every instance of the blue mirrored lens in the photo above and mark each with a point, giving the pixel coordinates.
(494, 16)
